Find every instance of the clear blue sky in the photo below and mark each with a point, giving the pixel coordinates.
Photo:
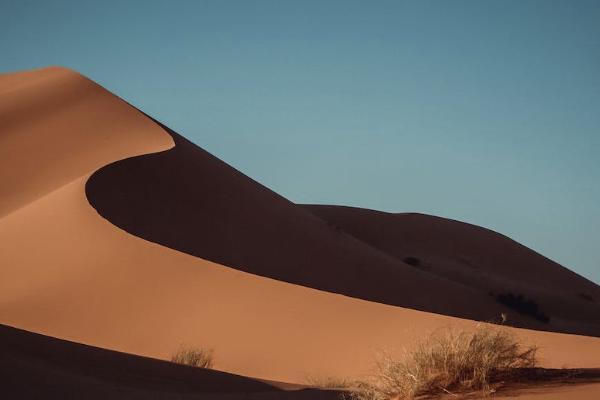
(482, 111)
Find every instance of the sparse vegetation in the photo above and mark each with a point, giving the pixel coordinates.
(335, 227)
(587, 297)
(522, 305)
(329, 382)
(450, 362)
(416, 262)
(194, 357)
(411, 260)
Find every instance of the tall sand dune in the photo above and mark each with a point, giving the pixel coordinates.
(118, 283)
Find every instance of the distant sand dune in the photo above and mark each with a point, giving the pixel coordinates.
(478, 258)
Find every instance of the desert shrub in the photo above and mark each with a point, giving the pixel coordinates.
(410, 260)
(522, 305)
(586, 297)
(449, 361)
(329, 382)
(335, 227)
(194, 357)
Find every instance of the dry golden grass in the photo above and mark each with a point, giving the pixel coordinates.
(200, 358)
(329, 382)
(449, 361)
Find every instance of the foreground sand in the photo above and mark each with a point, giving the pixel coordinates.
(68, 272)
(33, 364)
(575, 392)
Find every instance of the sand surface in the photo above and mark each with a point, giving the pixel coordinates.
(575, 392)
(68, 272)
(33, 364)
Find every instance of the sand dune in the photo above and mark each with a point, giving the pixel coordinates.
(475, 257)
(92, 283)
(68, 272)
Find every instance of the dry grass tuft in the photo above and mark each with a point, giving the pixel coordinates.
(200, 358)
(450, 361)
(330, 383)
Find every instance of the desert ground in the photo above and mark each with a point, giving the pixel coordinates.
(122, 242)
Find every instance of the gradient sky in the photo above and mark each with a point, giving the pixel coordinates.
(482, 111)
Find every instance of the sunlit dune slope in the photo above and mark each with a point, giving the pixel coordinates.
(478, 258)
(56, 125)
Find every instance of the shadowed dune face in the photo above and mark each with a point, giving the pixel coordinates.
(476, 257)
(188, 200)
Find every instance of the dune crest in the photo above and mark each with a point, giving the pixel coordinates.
(56, 125)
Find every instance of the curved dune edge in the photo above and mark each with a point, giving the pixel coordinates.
(69, 273)
(188, 200)
(56, 125)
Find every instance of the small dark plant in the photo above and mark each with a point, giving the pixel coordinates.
(335, 227)
(522, 305)
(411, 260)
(587, 297)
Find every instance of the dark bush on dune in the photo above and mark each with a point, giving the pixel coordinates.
(586, 297)
(522, 305)
(414, 261)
